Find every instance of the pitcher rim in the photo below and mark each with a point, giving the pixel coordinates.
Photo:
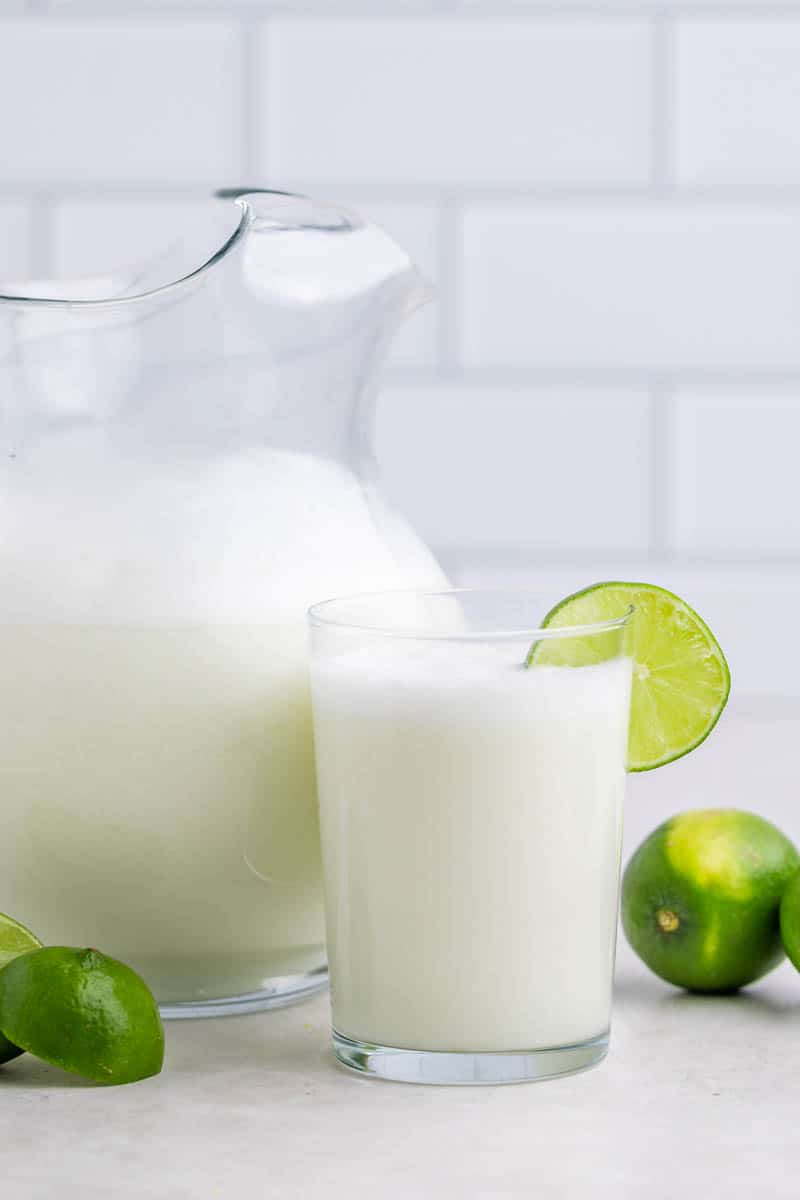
(240, 196)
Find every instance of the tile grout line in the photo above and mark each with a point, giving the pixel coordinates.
(660, 463)
(249, 39)
(497, 375)
(662, 99)
(574, 196)
(450, 269)
(112, 193)
(543, 11)
(547, 556)
(41, 245)
(622, 10)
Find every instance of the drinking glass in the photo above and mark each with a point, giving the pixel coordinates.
(471, 792)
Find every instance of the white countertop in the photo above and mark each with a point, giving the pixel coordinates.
(698, 1097)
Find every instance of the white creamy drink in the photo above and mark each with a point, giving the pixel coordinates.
(159, 796)
(156, 756)
(186, 464)
(471, 817)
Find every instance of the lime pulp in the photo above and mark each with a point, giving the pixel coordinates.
(15, 939)
(681, 680)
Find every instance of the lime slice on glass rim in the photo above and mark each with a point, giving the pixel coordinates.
(15, 939)
(681, 680)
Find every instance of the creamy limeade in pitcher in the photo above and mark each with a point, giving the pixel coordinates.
(185, 467)
(471, 817)
(104, 724)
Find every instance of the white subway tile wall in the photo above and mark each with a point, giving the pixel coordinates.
(118, 101)
(735, 472)
(736, 86)
(605, 192)
(655, 287)
(528, 453)
(450, 103)
(89, 237)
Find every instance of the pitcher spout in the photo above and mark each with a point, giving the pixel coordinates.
(301, 255)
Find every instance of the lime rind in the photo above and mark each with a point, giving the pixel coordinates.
(790, 920)
(700, 898)
(82, 1011)
(681, 679)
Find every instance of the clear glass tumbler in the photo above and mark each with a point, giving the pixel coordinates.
(471, 815)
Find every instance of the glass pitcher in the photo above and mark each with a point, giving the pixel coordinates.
(186, 467)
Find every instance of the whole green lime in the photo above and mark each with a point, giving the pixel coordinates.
(15, 939)
(82, 1011)
(790, 920)
(701, 898)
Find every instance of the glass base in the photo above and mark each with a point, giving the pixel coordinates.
(429, 1066)
(277, 993)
